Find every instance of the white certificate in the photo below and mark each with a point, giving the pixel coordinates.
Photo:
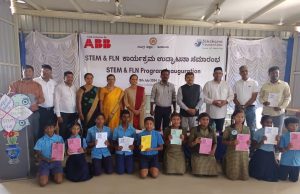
(125, 142)
(101, 138)
(273, 99)
(271, 133)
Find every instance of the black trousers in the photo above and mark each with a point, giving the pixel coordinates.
(68, 121)
(162, 116)
(47, 116)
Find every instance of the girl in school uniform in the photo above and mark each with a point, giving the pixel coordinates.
(149, 157)
(124, 159)
(203, 164)
(235, 163)
(47, 166)
(101, 157)
(77, 168)
(263, 165)
(174, 160)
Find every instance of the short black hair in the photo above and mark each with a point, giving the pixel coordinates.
(164, 70)
(189, 73)
(45, 66)
(133, 76)
(110, 75)
(28, 67)
(124, 112)
(149, 119)
(265, 118)
(49, 124)
(68, 73)
(218, 69)
(101, 114)
(274, 68)
(290, 120)
(242, 67)
(87, 74)
(175, 114)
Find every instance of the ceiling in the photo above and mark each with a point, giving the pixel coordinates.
(274, 12)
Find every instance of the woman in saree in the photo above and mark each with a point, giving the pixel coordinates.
(87, 103)
(135, 100)
(111, 102)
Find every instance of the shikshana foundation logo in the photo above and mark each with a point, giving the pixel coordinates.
(209, 43)
(198, 43)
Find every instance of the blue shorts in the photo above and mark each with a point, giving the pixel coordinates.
(47, 168)
(148, 161)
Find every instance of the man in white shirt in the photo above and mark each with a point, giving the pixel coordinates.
(65, 104)
(46, 109)
(245, 94)
(217, 94)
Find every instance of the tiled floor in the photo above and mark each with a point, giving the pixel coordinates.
(164, 184)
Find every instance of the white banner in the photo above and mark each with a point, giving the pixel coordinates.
(147, 55)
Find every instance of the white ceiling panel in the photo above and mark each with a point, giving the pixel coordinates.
(286, 12)
(58, 5)
(188, 9)
(233, 10)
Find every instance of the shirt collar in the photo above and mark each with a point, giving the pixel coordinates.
(76, 136)
(48, 137)
(161, 83)
(278, 82)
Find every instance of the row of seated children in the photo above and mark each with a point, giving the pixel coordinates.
(263, 165)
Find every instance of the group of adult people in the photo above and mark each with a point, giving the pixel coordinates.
(65, 103)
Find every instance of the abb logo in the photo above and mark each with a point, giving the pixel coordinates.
(97, 43)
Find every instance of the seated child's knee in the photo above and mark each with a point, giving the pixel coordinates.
(43, 181)
(154, 172)
(143, 173)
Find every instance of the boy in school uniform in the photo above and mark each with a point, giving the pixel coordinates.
(124, 159)
(47, 166)
(290, 159)
(149, 157)
(101, 157)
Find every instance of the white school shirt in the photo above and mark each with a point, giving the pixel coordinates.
(48, 91)
(217, 91)
(245, 89)
(65, 99)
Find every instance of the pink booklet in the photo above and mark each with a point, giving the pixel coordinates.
(205, 146)
(242, 139)
(58, 151)
(295, 140)
(74, 144)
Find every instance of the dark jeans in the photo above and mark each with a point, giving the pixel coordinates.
(162, 116)
(47, 116)
(278, 122)
(219, 125)
(221, 148)
(68, 121)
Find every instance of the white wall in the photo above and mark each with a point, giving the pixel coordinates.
(9, 69)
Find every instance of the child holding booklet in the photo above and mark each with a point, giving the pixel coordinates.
(77, 168)
(124, 156)
(203, 163)
(290, 157)
(263, 165)
(235, 164)
(150, 142)
(101, 157)
(47, 164)
(174, 160)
